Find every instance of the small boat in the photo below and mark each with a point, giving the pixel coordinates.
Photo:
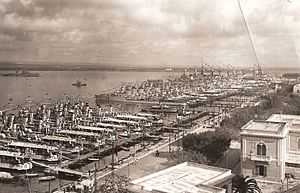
(47, 178)
(31, 175)
(6, 175)
(79, 84)
(93, 159)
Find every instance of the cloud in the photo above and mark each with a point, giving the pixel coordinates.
(135, 31)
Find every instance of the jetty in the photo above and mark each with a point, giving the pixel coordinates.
(60, 170)
(102, 151)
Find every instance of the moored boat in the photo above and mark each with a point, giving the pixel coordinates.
(35, 151)
(13, 161)
(46, 178)
(6, 177)
(161, 109)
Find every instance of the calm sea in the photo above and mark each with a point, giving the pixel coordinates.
(53, 85)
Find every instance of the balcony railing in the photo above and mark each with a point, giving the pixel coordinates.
(263, 158)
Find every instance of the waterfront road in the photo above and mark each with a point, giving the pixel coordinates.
(161, 146)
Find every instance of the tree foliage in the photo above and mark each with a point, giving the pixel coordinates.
(114, 184)
(281, 102)
(210, 144)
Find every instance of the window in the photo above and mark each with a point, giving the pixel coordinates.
(261, 170)
(261, 149)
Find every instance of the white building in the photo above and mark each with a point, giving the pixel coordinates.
(271, 148)
(296, 89)
(187, 177)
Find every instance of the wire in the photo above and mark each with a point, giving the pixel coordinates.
(249, 33)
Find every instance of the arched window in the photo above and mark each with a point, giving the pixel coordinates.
(261, 149)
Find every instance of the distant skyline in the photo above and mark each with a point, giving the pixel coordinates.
(150, 33)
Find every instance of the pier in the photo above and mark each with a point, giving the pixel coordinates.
(58, 170)
(111, 148)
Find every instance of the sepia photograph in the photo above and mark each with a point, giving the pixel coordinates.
(149, 96)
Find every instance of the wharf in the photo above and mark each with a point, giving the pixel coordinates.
(60, 169)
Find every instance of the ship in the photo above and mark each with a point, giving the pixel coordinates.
(197, 102)
(35, 151)
(22, 73)
(13, 161)
(187, 117)
(79, 84)
(161, 109)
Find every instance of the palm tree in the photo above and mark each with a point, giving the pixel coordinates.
(245, 185)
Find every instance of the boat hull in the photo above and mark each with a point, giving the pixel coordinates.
(16, 167)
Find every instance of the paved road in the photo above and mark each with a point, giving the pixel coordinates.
(158, 147)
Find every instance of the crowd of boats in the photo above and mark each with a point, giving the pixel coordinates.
(53, 133)
(192, 88)
(51, 138)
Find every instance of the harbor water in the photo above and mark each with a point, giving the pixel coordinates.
(54, 85)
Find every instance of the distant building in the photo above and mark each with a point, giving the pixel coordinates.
(186, 177)
(271, 148)
(296, 89)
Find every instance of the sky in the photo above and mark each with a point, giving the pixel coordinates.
(151, 33)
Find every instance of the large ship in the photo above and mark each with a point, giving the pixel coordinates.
(22, 73)
(13, 161)
(188, 117)
(161, 108)
(38, 152)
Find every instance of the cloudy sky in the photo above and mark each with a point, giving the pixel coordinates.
(150, 32)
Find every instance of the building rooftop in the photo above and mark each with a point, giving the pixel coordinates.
(292, 120)
(264, 128)
(185, 177)
(283, 118)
